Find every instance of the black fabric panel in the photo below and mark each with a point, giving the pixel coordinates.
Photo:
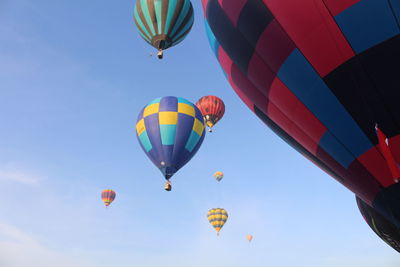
(367, 85)
(387, 203)
(253, 20)
(293, 143)
(380, 225)
(382, 64)
(230, 38)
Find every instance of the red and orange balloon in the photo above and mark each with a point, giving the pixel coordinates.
(212, 108)
(108, 196)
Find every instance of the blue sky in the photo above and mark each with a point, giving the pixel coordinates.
(73, 77)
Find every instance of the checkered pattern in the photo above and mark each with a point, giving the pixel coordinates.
(170, 131)
(320, 74)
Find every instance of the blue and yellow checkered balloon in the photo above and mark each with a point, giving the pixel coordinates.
(170, 130)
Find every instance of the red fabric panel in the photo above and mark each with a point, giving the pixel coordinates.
(274, 46)
(242, 95)
(225, 61)
(385, 150)
(249, 89)
(373, 161)
(260, 74)
(248, 92)
(296, 111)
(204, 3)
(232, 9)
(291, 128)
(337, 7)
(314, 31)
(394, 143)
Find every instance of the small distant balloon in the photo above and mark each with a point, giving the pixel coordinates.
(217, 218)
(108, 196)
(218, 176)
(249, 238)
(212, 108)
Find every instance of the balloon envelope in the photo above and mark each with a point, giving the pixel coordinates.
(163, 23)
(217, 218)
(107, 196)
(170, 131)
(249, 238)
(218, 176)
(320, 74)
(212, 108)
(381, 226)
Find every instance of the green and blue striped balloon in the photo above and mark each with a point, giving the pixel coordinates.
(163, 23)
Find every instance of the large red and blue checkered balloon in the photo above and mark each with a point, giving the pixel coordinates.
(321, 74)
(170, 130)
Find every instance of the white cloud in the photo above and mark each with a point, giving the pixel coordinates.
(20, 249)
(14, 174)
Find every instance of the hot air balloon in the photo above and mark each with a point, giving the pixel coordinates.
(170, 130)
(381, 226)
(320, 74)
(218, 176)
(249, 238)
(217, 218)
(107, 196)
(212, 108)
(163, 23)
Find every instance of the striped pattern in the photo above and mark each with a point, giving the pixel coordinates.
(218, 176)
(217, 218)
(163, 23)
(170, 130)
(320, 73)
(382, 227)
(212, 108)
(107, 196)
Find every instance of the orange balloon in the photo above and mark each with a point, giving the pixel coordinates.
(249, 237)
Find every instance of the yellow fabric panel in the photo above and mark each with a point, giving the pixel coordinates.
(151, 109)
(168, 117)
(198, 127)
(217, 229)
(186, 109)
(140, 127)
